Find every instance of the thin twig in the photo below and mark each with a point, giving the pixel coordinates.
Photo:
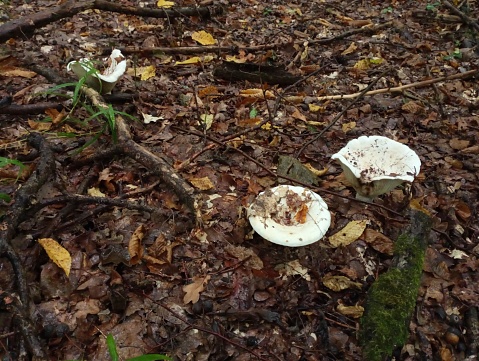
(203, 329)
(340, 114)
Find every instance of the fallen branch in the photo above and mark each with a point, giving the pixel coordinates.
(399, 89)
(14, 216)
(469, 21)
(26, 25)
(157, 165)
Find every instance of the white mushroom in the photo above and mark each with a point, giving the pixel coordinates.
(105, 82)
(375, 165)
(289, 216)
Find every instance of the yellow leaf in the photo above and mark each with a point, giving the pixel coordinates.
(348, 126)
(165, 4)
(95, 192)
(348, 234)
(195, 60)
(203, 38)
(202, 184)
(57, 254)
(148, 72)
(207, 120)
(235, 59)
(315, 171)
(315, 108)
(339, 283)
(193, 290)
(362, 64)
(351, 311)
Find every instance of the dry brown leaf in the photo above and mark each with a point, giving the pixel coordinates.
(242, 253)
(257, 93)
(351, 49)
(40, 126)
(458, 144)
(59, 255)
(135, 246)
(462, 210)
(413, 108)
(193, 290)
(359, 23)
(293, 268)
(379, 241)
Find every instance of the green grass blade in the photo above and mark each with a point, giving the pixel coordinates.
(110, 342)
(151, 357)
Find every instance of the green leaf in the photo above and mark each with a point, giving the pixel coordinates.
(253, 113)
(110, 342)
(151, 357)
(6, 161)
(5, 197)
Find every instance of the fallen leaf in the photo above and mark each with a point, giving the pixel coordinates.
(135, 246)
(293, 268)
(59, 255)
(339, 283)
(458, 144)
(95, 192)
(193, 290)
(202, 184)
(379, 241)
(351, 49)
(148, 72)
(203, 37)
(195, 60)
(348, 234)
(165, 4)
(350, 311)
(40, 126)
(206, 120)
(346, 127)
(242, 253)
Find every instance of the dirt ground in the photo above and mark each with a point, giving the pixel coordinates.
(148, 199)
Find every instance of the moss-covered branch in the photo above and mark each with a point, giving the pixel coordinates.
(392, 298)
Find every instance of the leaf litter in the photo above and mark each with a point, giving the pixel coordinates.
(238, 277)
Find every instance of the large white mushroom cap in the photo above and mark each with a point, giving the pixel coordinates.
(375, 165)
(289, 216)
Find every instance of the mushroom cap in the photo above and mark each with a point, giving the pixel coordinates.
(100, 82)
(374, 165)
(289, 216)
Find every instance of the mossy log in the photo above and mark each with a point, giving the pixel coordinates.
(392, 298)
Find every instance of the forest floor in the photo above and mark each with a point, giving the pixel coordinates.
(151, 211)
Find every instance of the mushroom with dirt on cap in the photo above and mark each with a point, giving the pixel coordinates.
(375, 165)
(289, 216)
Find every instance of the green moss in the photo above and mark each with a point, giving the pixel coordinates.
(392, 298)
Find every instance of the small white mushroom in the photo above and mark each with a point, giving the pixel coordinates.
(375, 165)
(289, 216)
(105, 82)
